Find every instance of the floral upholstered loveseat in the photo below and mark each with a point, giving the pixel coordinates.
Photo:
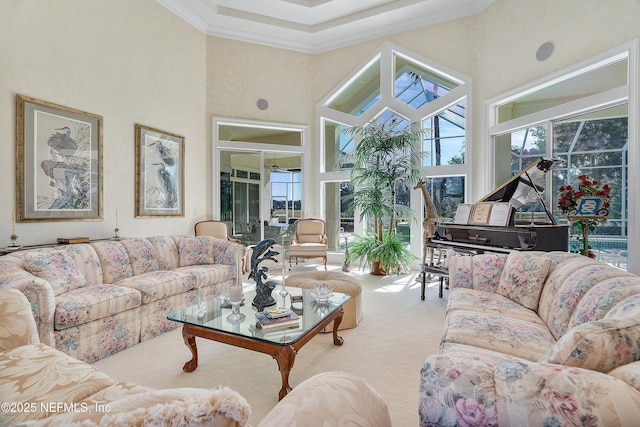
(536, 339)
(95, 299)
(41, 386)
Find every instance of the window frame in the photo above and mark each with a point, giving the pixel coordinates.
(219, 145)
(388, 102)
(628, 94)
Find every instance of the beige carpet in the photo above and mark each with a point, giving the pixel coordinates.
(387, 349)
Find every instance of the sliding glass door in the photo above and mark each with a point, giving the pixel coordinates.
(240, 182)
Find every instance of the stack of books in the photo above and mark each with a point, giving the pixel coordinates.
(277, 318)
(74, 239)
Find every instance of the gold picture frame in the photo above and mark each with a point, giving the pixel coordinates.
(59, 162)
(159, 173)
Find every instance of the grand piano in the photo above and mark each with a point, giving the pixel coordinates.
(523, 235)
(533, 234)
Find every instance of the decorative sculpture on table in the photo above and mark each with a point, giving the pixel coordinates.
(263, 251)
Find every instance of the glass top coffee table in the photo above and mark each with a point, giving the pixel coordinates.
(281, 343)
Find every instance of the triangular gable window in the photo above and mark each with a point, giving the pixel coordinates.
(362, 92)
(415, 85)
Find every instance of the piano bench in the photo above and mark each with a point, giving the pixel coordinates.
(441, 272)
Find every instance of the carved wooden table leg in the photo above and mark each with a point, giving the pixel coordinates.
(337, 340)
(285, 357)
(190, 341)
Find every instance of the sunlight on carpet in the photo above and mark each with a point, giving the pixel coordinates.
(387, 348)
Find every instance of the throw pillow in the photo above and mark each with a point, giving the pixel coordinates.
(487, 269)
(142, 255)
(629, 373)
(170, 407)
(56, 267)
(600, 345)
(196, 250)
(523, 277)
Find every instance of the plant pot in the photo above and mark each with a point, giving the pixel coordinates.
(376, 270)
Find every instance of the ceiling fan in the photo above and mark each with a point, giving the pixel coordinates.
(276, 168)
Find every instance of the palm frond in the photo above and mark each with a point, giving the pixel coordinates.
(387, 159)
(391, 252)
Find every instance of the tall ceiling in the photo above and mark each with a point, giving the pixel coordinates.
(315, 26)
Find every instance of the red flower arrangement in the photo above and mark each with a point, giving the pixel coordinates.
(568, 202)
(569, 196)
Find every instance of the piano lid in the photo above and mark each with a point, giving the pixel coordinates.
(525, 187)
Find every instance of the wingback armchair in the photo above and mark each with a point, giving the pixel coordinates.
(213, 228)
(309, 240)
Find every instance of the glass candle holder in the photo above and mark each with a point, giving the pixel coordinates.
(235, 315)
(283, 293)
(321, 293)
(201, 308)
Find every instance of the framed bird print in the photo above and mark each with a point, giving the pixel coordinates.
(59, 162)
(159, 173)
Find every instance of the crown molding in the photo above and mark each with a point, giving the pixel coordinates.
(287, 32)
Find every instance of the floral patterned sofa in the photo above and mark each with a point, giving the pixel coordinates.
(538, 339)
(41, 386)
(93, 300)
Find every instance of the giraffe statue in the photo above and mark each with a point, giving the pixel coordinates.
(429, 222)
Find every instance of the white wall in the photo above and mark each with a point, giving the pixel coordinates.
(135, 62)
(128, 61)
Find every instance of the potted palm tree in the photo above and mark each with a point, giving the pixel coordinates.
(387, 157)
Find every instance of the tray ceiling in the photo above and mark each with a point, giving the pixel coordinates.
(315, 26)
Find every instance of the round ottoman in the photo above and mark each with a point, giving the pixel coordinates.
(339, 282)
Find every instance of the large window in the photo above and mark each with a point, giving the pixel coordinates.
(446, 194)
(595, 145)
(579, 116)
(395, 83)
(447, 136)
